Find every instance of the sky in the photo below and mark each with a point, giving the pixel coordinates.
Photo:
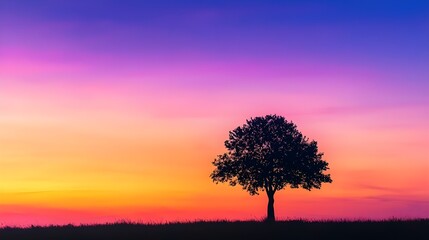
(114, 110)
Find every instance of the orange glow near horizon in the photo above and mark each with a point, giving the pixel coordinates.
(95, 163)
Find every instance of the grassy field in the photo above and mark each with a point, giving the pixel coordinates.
(222, 230)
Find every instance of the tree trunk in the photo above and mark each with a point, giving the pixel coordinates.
(270, 209)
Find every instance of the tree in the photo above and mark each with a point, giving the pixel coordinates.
(267, 154)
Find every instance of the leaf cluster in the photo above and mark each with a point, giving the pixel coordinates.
(268, 153)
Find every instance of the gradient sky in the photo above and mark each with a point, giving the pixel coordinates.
(115, 110)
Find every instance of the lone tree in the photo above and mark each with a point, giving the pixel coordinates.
(267, 154)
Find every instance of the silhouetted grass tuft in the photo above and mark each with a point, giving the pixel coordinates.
(291, 229)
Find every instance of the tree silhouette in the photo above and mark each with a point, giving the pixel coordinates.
(267, 154)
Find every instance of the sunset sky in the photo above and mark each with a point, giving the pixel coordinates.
(114, 110)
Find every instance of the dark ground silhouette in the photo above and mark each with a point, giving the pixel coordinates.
(389, 229)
